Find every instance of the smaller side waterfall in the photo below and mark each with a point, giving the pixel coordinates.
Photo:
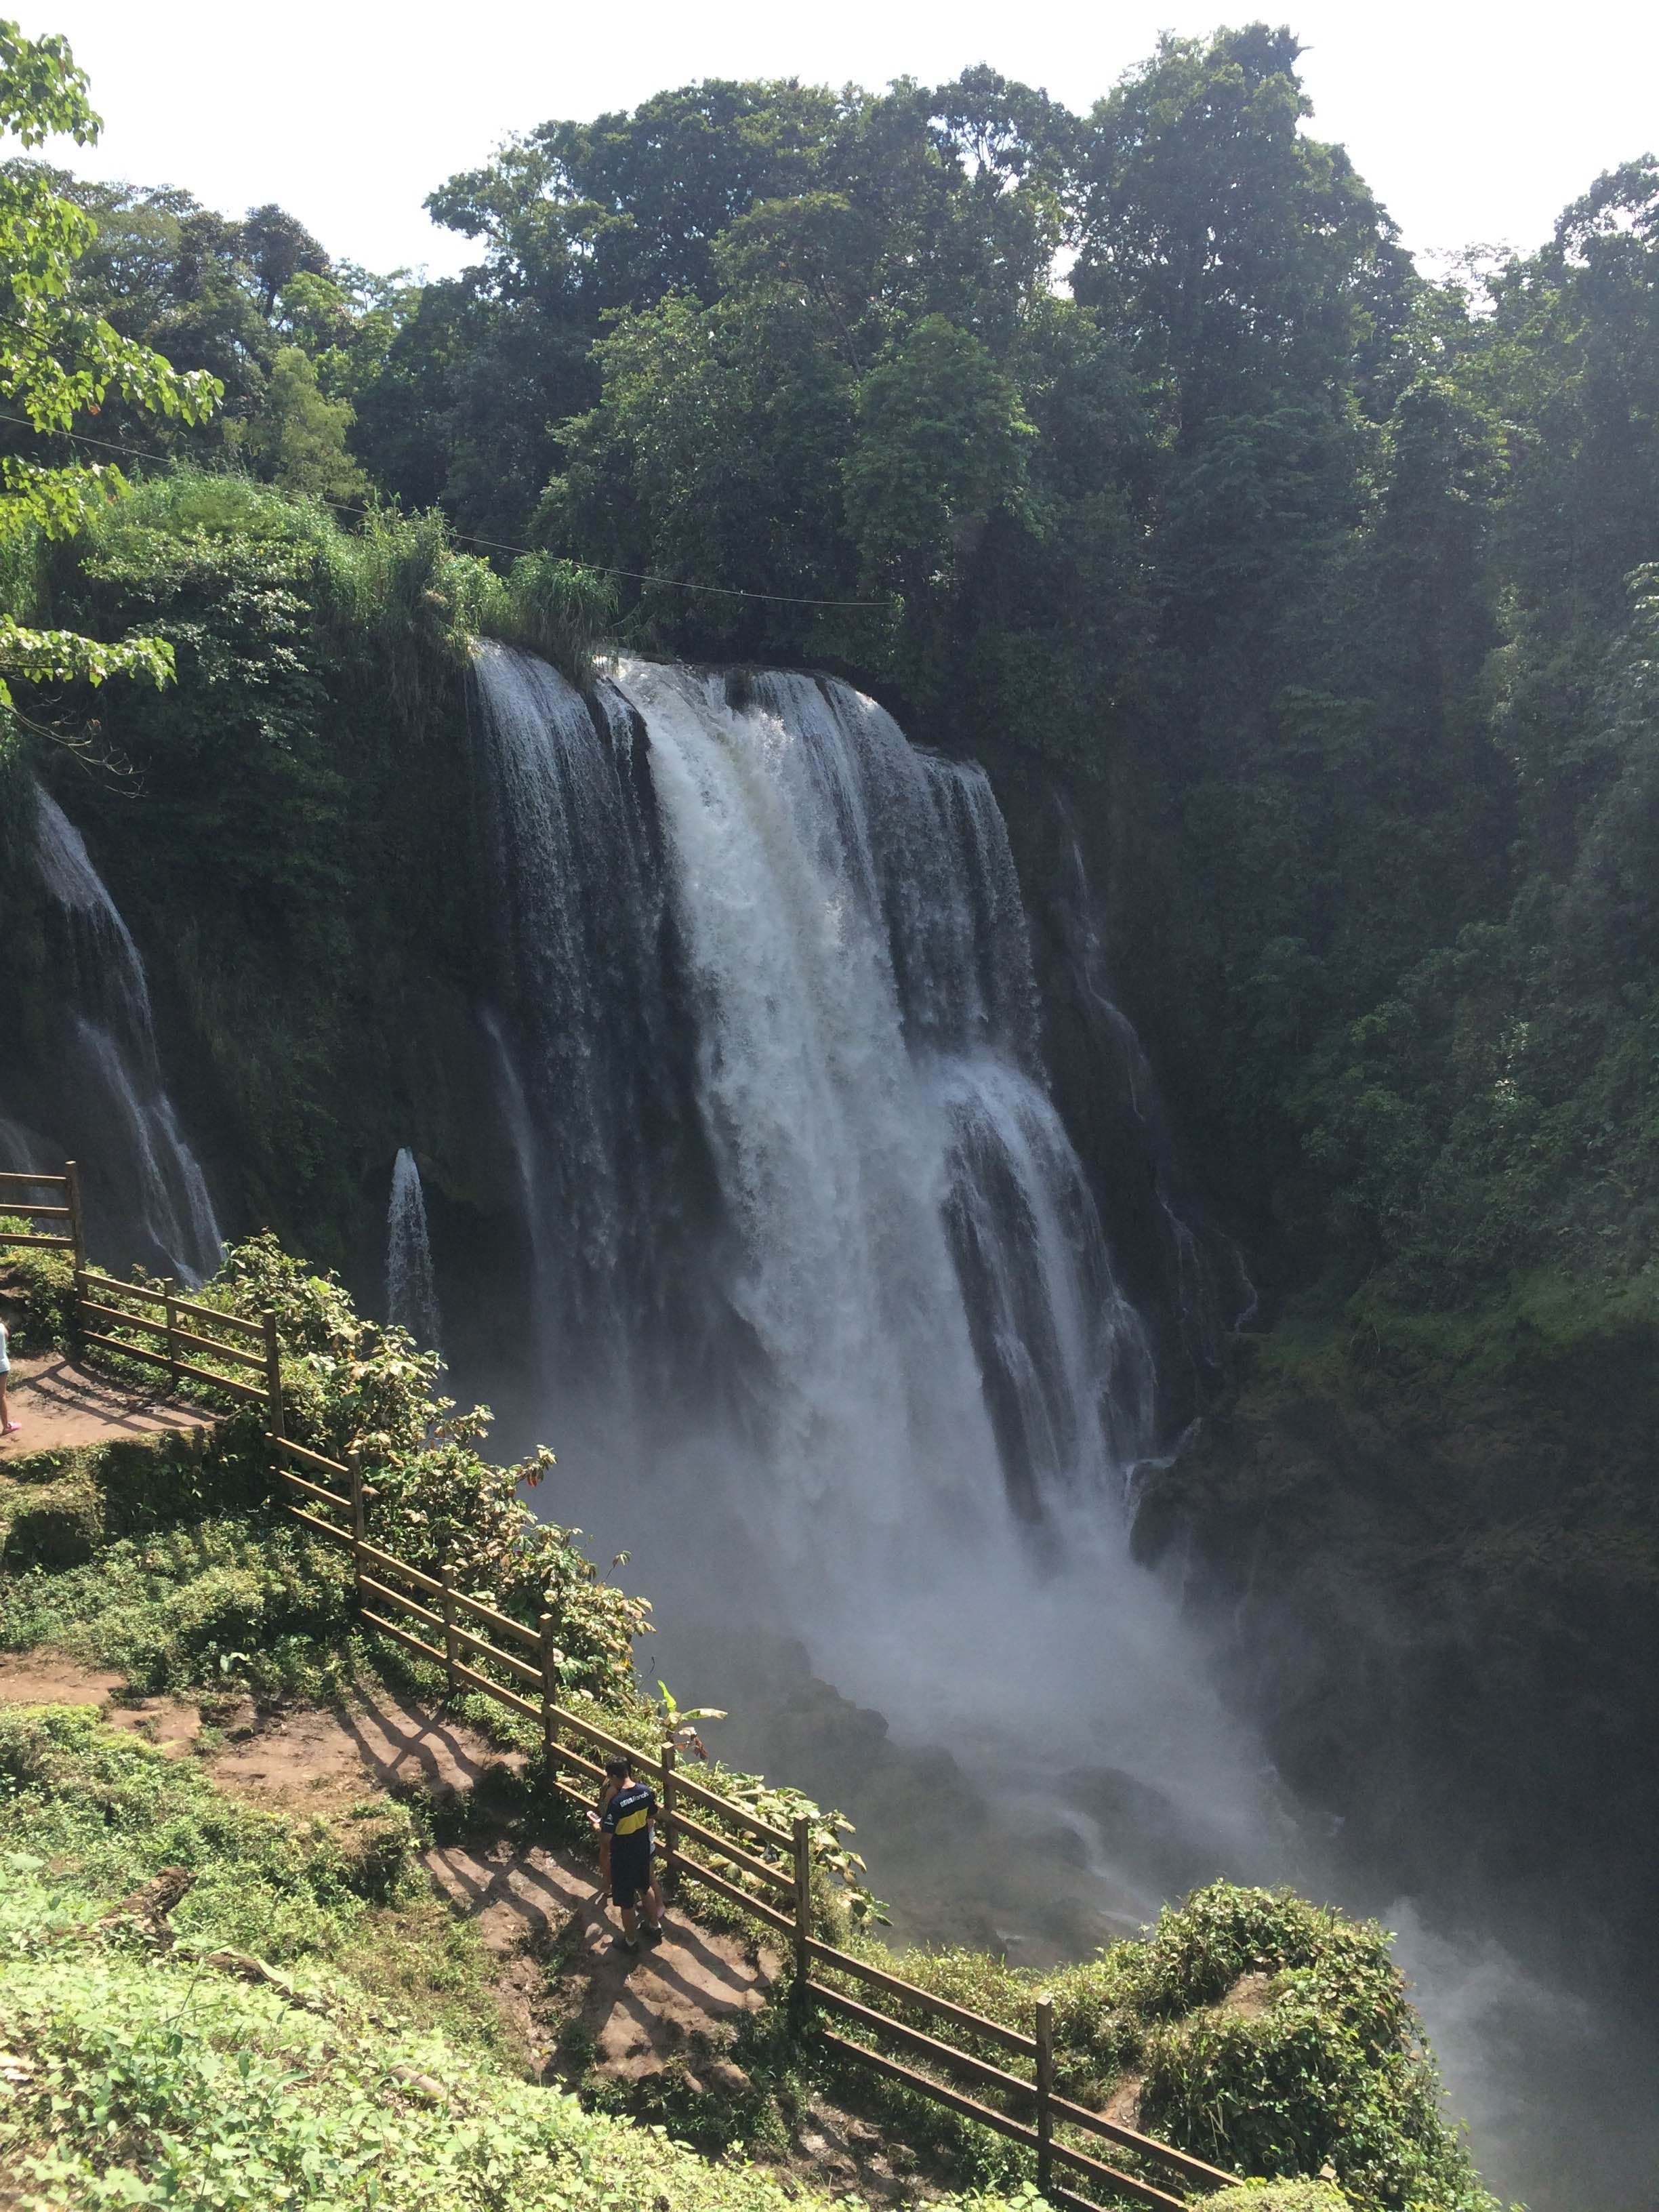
(130, 1124)
(411, 1287)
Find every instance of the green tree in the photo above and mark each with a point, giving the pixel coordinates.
(1248, 258)
(297, 440)
(58, 360)
(941, 445)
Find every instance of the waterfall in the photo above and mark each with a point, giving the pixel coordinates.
(916, 1247)
(836, 1340)
(135, 1142)
(411, 1287)
(582, 1035)
(767, 1044)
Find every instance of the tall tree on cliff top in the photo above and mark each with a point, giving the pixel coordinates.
(58, 360)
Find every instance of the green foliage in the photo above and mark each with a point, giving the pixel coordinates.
(1270, 2035)
(1330, 2069)
(349, 1385)
(217, 1601)
(116, 1810)
(940, 446)
(554, 608)
(304, 758)
(58, 360)
(139, 2074)
(166, 1610)
(1246, 256)
(1280, 2196)
(297, 440)
(43, 1286)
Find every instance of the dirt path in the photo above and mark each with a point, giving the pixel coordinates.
(639, 2009)
(57, 1404)
(530, 1905)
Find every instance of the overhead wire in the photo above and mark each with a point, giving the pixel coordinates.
(491, 544)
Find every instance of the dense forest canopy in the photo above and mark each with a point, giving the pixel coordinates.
(1129, 444)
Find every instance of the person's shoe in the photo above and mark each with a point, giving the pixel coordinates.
(626, 1945)
(653, 1934)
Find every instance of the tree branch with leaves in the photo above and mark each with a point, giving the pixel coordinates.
(58, 360)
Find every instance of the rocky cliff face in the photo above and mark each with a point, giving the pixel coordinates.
(1440, 1598)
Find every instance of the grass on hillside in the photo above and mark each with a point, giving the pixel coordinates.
(1323, 2065)
(134, 2074)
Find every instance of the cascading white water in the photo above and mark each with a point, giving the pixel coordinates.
(411, 1286)
(950, 1357)
(904, 1384)
(1060, 1336)
(579, 915)
(113, 1035)
(830, 1160)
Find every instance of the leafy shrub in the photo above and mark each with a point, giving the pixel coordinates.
(229, 1600)
(1279, 2196)
(554, 608)
(349, 1385)
(42, 1285)
(1317, 2061)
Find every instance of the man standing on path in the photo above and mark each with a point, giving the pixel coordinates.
(628, 1820)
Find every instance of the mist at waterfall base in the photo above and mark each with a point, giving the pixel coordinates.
(827, 1327)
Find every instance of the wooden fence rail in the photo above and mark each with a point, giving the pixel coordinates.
(63, 1205)
(147, 1319)
(161, 1316)
(765, 1872)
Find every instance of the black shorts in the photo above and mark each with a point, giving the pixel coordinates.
(630, 1873)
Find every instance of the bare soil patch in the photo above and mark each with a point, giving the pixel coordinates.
(57, 1405)
(37, 1678)
(638, 2009)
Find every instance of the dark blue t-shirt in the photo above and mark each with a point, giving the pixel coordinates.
(628, 1815)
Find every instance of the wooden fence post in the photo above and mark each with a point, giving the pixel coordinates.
(1045, 2090)
(78, 1233)
(173, 1338)
(549, 1697)
(670, 1864)
(452, 1649)
(273, 1376)
(359, 1518)
(803, 1914)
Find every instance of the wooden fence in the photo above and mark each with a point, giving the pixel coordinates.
(63, 1205)
(332, 1499)
(164, 1330)
(518, 1668)
(159, 1327)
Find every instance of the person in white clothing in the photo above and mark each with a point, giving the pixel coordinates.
(8, 1426)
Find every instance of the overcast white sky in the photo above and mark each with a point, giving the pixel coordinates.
(1475, 122)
